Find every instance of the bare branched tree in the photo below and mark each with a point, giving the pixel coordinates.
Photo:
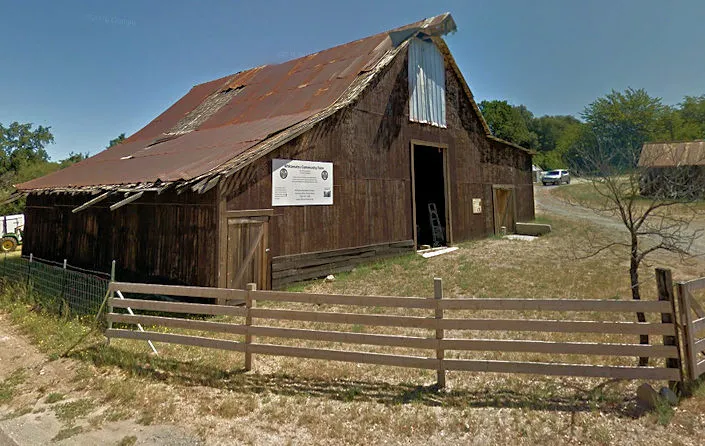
(652, 193)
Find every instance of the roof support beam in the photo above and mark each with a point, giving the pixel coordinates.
(14, 197)
(91, 202)
(127, 200)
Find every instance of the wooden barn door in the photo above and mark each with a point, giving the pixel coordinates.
(504, 212)
(247, 253)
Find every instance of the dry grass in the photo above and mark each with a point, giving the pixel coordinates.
(287, 400)
(586, 194)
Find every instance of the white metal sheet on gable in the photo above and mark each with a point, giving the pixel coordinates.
(427, 84)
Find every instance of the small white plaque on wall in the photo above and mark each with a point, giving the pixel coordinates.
(477, 205)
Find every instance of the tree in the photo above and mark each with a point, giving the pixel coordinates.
(23, 157)
(73, 158)
(624, 121)
(557, 137)
(509, 122)
(116, 141)
(692, 113)
(608, 151)
(20, 145)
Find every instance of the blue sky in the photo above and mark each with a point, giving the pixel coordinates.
(94, 69)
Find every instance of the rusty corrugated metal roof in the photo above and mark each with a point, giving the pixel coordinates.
(269, 99)
(673, 154)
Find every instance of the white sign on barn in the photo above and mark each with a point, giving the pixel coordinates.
(301, 183)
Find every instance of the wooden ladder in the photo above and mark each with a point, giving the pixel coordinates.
(436, 228)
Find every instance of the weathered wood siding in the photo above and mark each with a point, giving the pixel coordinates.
(369, 144)
(166, 238)
(298, 267)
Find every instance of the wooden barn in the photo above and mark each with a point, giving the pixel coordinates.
(291, 171)
(673, 169)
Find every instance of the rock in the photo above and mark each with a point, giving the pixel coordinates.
(330, 278)
(647, 396)
(669, 396)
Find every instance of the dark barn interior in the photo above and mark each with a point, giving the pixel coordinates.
(429, 191)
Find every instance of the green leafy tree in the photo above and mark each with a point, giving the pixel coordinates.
(116, 141)
(21, 145)
(692, 113)
(73, 158)
(558, 135)
(625, 120)
(23, 157)
(509, 122)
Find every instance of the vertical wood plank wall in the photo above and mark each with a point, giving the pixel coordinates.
(166, 238)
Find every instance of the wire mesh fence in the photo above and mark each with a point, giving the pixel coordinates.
(59, 288)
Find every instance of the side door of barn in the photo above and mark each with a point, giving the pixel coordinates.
(504, 208)
(247, 253)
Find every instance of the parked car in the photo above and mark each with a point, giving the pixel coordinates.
(556, 177)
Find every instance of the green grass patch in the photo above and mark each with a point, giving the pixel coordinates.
(70, 412)
(9, 385)
(129, 440)
(18, 413)
(51, 334)
(67, 433)
(54, 397)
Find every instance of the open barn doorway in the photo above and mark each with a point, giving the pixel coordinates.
(429, 196)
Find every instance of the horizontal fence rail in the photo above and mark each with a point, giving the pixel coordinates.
(250, 323)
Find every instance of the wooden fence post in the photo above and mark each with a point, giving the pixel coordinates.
(687, 324)
(440, 353)
(664, 283)
(249, 303)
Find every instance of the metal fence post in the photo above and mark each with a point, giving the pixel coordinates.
(440, 352)
(29, 273)
(112, 293)
(63, 281)
(29, 268)
(249, 303)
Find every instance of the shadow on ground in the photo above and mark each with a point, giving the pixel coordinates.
(540, 394)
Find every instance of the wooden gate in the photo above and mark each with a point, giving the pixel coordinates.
(503, 204)
(247, 253)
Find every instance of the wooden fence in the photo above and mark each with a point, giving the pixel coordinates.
(693, 347)
(249, 321)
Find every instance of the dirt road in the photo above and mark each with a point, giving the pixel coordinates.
(549, 204)
(32, 418)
